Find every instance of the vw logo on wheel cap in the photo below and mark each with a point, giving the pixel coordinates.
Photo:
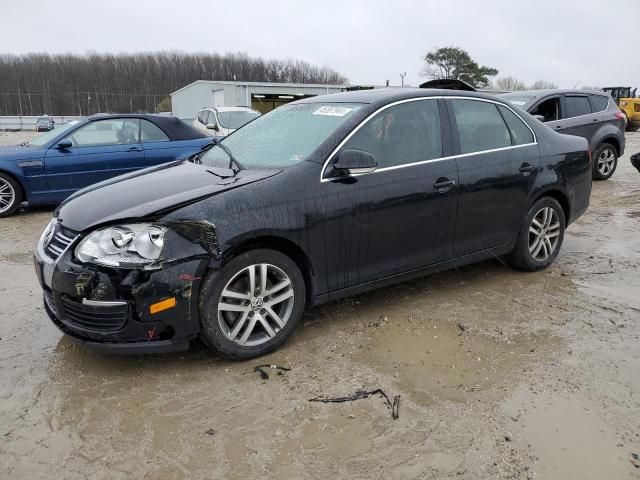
(256, 304)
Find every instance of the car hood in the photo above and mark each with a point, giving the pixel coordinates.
(150, 192)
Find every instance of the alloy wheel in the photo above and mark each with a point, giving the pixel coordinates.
(606, 161)
(255, 304)
(7, 195)
(544, 234)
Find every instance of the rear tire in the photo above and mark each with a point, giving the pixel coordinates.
(540, 236)
(10, 195)
(605, 161)
(250, 306)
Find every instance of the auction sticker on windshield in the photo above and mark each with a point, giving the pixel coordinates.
(332, 111)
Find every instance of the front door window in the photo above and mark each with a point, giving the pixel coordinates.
(119, 131)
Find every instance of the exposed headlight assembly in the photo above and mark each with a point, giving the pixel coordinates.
(125, 246)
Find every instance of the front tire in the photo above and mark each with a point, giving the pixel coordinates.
(10, 195)
(605, 161)
(540, 236)
(252, 304)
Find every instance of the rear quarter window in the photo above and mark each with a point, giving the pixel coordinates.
(520, 132)
(599, 102)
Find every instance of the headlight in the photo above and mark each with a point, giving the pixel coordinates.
(623, 104)
(134, 245)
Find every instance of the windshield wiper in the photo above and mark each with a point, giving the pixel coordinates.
(232, 159)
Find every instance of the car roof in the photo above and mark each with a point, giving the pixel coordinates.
(388, 95)
(230, 109)
(172, 126)
(557, 91)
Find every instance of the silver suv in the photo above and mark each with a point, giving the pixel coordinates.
(222, 121)
(589, 114)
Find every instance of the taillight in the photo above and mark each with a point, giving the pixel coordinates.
(620, 116)
(589, 153)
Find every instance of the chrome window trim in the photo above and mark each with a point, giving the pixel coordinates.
(422, 162)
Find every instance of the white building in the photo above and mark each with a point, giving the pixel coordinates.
(264, 97)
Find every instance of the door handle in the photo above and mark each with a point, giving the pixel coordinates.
(527, 168)
(443, 185)
(135, 149)
(558, 127)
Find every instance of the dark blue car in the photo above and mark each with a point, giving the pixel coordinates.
(52, 166)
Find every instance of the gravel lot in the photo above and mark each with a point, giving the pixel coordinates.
(502, 374)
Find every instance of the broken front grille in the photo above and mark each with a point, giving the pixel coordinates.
(59, 242)
(103, 318)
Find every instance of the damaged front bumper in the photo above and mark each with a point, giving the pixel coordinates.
(123, 310)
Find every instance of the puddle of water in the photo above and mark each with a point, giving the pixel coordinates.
(438, 360)
(568, 438)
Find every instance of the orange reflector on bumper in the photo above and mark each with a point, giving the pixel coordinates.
(163, 305)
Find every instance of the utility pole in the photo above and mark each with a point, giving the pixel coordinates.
(402, 75)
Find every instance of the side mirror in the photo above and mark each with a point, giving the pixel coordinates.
(539, 117)
(213, 126)
(355, 161)
(64, 144)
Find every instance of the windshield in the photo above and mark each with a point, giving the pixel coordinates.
(46, 137)
(519, 99)
(237, 119)
(42, 121)
(282, 138)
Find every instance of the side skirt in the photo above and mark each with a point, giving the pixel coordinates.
(417, 273)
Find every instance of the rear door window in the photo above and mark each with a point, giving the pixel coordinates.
(599, 102)
(480, 126)
(576, 105)
(549, 109)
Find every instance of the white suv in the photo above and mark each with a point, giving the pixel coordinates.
(221, 121)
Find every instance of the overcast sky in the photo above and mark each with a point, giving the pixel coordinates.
(569, 42)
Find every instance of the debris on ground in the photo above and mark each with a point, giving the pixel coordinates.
(264, 375)
(394, 406)
(211, 432)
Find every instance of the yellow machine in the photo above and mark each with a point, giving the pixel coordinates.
(628, 103)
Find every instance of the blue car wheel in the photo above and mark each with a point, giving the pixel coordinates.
(10, 195)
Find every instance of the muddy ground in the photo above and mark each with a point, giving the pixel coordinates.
(502, 374)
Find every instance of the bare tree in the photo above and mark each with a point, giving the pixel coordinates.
(509, 83)
(72, 84)
(542, 85)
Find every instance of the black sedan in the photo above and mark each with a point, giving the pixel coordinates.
(319, 199)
